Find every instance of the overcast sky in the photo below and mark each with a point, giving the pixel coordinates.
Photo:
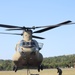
(59, 41)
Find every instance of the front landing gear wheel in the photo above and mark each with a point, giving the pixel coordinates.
(15, 68)
(40, 67)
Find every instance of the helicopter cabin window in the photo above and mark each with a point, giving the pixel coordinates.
(27, 44)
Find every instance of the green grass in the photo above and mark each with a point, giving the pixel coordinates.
(44, 72)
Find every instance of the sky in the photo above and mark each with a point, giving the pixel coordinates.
(58, 41)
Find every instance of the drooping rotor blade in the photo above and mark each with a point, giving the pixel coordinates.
(53, 26)
(9, 26)
(37, 37)
(10, 33)
(14, 29)
(21, 35)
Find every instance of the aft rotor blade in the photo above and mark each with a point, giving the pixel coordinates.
(37, 37)
(10, 33)
(53, 26)
(9, 26)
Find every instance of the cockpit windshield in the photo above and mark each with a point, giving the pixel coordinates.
(33, 44)
(27, 44)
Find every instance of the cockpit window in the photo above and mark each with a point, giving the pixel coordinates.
(27, 44)
(33, 43)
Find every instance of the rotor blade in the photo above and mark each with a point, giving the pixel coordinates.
(14, 29)
(53, 26)
(21, 34)
(37, 37)
(10, 33)
(9, 26)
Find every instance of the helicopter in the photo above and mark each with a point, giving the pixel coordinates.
(28, 50)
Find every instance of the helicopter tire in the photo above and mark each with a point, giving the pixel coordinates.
(15, 68)
(41, 67)
(38, 68)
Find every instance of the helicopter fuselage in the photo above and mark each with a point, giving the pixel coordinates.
(27, 52)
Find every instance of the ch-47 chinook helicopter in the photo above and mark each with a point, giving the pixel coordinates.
(28, 50)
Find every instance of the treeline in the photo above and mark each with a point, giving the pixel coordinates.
(6, 65)
(50, 62)
(65, 61)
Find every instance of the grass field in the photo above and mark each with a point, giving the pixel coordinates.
(44, 72)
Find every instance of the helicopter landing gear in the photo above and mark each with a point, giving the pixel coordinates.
(15, 68)
(40, 67)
